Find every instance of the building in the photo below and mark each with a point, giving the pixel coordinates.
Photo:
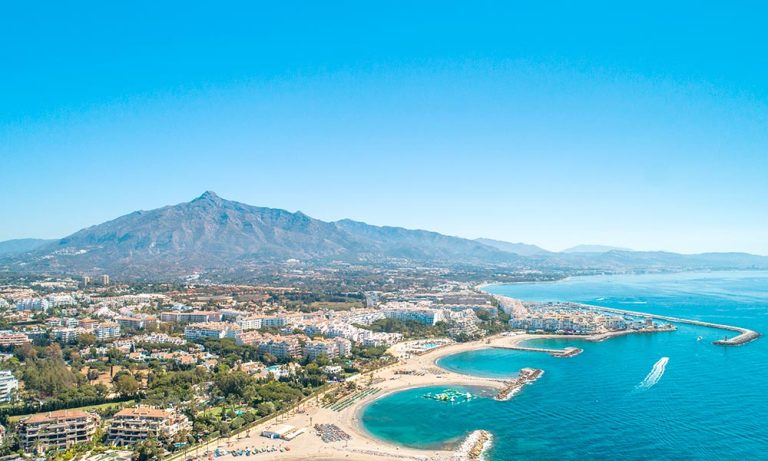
(65, 334)
(190, 317)
(107, 330)
(344, 346)
(88, 324)
(133, 425)
(32, 304)
(136, 323)
(10, 338)
(316, 348)
(282, 347)
(86, 280)
(105, 280)
(282, 431)
(425, 316)
(249, 323)
(8, 384)
(216, 330)
(61, 301)
(273, 322)
(56, 429)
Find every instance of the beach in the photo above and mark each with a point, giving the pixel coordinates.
(411, 371)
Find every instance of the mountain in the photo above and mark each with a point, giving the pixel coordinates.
(211, 232)
(593, 249)
(397, 242)
(10, 247)
(522, 249)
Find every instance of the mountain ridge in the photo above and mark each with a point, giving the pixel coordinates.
(210, 233)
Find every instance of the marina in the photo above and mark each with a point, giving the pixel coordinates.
(744, 336)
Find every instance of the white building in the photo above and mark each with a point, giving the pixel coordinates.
(107, 330)
(32, 304)
(344, 346)
(327, 347)
(249, 323)
(8, 383)
(217, 330)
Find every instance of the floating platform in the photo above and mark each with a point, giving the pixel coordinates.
(450, 395)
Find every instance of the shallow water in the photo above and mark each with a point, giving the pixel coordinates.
(616, 400)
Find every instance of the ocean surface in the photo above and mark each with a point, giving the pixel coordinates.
(620, 399)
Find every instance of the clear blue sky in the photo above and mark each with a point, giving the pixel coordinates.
(556, 123)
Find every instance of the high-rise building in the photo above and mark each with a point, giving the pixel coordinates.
(105, 280)
(86, 280)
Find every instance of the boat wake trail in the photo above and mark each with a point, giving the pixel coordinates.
(655, 375)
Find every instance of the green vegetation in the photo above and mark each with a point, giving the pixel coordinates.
(409, 328)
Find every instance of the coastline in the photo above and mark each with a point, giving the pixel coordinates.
(414, 370)
(411, 371)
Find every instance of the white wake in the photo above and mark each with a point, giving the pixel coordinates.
(655, 375)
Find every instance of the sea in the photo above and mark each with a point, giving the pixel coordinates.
(660, 396)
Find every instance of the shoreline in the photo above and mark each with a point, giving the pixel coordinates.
(416, 370)
(411, 371)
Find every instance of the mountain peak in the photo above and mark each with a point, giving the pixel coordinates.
(209, 196)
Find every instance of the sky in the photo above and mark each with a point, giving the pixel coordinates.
(641, 125)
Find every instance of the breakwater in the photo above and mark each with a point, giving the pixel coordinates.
(527, 376)
(474, 446)
(745, 335)
(565, 352)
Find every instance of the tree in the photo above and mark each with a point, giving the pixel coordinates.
(126, 384)
(148, 450)
(93, 374)
(86, 340)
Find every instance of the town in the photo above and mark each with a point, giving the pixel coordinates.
(97, 369)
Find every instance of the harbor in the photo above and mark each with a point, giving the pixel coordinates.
(744, 336)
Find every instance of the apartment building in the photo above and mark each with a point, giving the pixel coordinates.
(8, 383)
(136, 323)
(10, 338)
(56, 429)
(191, 317)
(316, 348)
(107, 330)
(282, 347)
(217, 330)
(133, 425)
(32, 304)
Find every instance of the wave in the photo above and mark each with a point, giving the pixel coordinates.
(655, 375)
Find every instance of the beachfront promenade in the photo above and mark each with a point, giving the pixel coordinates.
(745, 335)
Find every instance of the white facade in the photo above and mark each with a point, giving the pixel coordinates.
(8, 383)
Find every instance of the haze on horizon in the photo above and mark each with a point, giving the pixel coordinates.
(580, 124)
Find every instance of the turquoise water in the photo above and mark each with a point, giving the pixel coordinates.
(710, 402)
